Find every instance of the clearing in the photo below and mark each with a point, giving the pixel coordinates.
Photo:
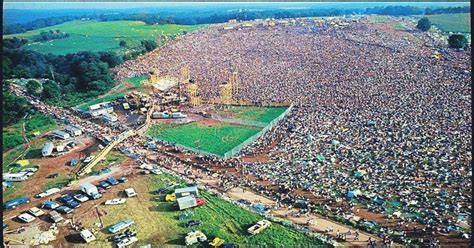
(452, 22)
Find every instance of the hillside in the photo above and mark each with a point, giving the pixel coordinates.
(96, 36)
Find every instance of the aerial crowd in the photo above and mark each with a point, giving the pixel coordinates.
(376, 115)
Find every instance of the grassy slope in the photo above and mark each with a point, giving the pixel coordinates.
(99, 36)
(155, 220)
(216, 139)
(265, 115)
(135, 82)
(36, 122)
(452, 22)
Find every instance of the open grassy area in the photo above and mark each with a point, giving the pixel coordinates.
(59, 182)
(112, 158)
(216, 138)
(260, 114)
(35, 123)
(156, 222)
(97, 36)
(388, 20)
(452, 22)
(106, 98)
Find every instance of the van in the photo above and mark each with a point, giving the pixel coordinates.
(16, 202)
(87, 235)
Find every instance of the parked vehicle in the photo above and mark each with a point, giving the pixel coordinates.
(195, 237)
(185, 216)
(156, 172)
(48, 192)
(116, 201)
(193, 223)
(88, 159)
(170, 197)
(216, 242)
(91, 190)
(123, 180)
(162, 191)
(130, 192)
(16, 202)
(112, 181)
(120, 226)
(26, 217)
(36, 212)
(55, 216)
(69, 201)
(87, 235)
(126, 242)
(64, 209)
(81, 197)
(50, 205)
(260, 226)
(54, 175)
(105, 185)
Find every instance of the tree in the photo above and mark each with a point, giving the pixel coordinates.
(14, 107)
(149, 45)
(34, 87)
(457, 41)
(50, 90)
(424, 24)
(122, 43)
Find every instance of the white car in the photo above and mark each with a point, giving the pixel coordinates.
(126, 242)
(87, 235)
(88, 159)
(81, 198)
(156, 171)
(115, 201)
(130, 192)
(48, 192)
(36, 212)
(26, 217)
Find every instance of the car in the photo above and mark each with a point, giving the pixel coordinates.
(36, 212)
(244, 202)
(64, 209)
(81, 197)
(16, 202)
(112, 181)
(156, 172)
(126, 242)
(123, 179)
(50, 205)
(117, 237)
(200, 201)
(69, 201)
(87, 235)
(101, 190)
(184, 216)
(54, 175)
(115, 201)
(162, 191)
(105, 185)
(192, 223)
(55, 216)
(130, 192)
(26, 217)
(48, 192)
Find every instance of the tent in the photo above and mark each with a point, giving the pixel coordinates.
(379, 200)
(353, 194)
(320, 157)
(360, 173)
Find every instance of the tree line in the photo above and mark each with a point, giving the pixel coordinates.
(217, 16)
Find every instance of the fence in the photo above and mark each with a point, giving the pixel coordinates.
(242, 145)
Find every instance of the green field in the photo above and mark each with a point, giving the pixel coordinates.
(156, 222)
(97, 36)
(388, 20)
(216, 138)
(260, 114)
(135, 82)
(35, 123)
(452, 22)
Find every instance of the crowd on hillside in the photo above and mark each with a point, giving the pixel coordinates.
(377, 118)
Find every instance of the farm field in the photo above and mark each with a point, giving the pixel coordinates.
(217, 138)
(35, 123)
(452, 22)
(156, 220)
(105, 36)
(260, 114)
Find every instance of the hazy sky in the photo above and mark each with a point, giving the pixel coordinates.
(121, 5)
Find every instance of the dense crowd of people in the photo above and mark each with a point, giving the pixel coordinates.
(376, 115)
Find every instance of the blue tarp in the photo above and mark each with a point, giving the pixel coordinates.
(260, 208)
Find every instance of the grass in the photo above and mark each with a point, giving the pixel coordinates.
(216, 138)
(260, 114)
(59, 182)
(452, 22)
(105, 36)
(136, 82)
(112, 158)
(156, 223)
(387, 20)
(35, 123)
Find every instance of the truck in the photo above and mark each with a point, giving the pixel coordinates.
(16, 202)
(120, 226)
(87, 235)
(55, 216)
(90, 190)
(260, 226)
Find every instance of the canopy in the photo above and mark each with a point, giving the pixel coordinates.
(23, 162)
